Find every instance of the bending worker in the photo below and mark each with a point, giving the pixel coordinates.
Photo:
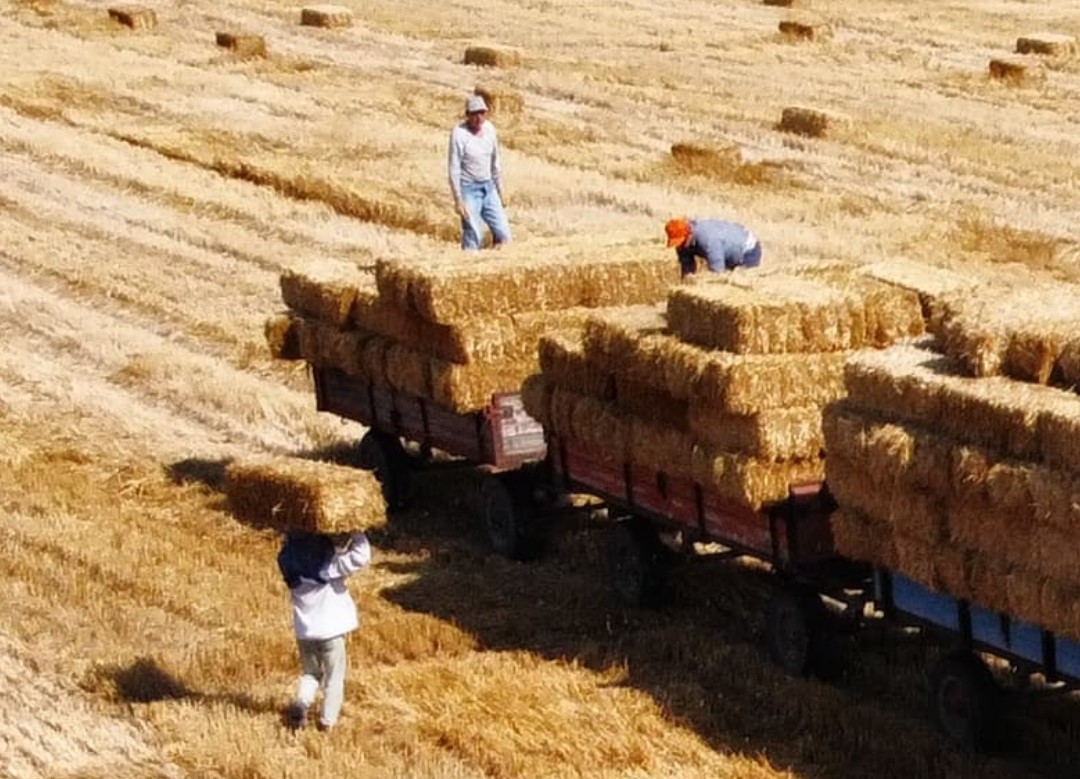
(476, 177)
(723, 245)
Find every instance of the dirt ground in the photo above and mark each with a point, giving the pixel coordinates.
(153, 186)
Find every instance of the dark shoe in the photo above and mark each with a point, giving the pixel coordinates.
(296, 716)
(323, 726)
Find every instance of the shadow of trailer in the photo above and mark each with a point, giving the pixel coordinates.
(501, 441)
(659, 514)
(966, 701)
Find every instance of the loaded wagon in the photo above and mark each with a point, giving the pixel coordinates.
(501, 440)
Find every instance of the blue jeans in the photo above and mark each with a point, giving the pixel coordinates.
(482, 201)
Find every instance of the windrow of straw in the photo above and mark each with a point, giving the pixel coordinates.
(990, 513)
(289, 493)
(783, 314)
(1031, 333)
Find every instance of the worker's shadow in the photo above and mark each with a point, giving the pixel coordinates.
(144, 681)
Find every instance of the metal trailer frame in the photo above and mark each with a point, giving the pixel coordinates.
(794, 536)
(501, 439)
(964, 697)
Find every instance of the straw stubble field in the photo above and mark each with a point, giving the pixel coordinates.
(154, 187)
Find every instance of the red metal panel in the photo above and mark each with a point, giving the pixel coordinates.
(454, 433)
(604, 478)
(739, 526)
(342, 394)
(813, 535)
(673, 498)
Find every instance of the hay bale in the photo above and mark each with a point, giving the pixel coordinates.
(536, 394)
(781, 3)
(750, 481)
(1011, 70)
(468, 388)
(777, 314)
(1046, 43)
(650, 401)
(520, 279)
(326, 16)
(609, 336)
(704, 156)
(492, 57)
(599, 426)
(804, 121)
(1018, 331)
(804, 30)
(1068, 364)
(134, 16)
(408, 370)
(501, 101)
(323, 289)
(781, 434)
(660, 447)
(1059, 433)
(242, 44)
(288, 493)
(933, 285)
(563, 362)
(282, 332)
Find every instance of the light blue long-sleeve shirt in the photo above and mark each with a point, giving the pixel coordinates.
(721, 244)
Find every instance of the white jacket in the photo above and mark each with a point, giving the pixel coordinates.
(326, 610)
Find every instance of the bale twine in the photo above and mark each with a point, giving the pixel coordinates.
(804, 121)
(1046, 43)
(241, 44)
(492, 57)
(134, 16)
(326, 16)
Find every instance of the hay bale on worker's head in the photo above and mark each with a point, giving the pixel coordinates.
(501, 101)
(242, 44)
(282, 333)
(1013, 71)
(134, 16)
(1050, 43)
(492, 56)
(326, 16)
(800, 120)
(289, 493)
(324, 289)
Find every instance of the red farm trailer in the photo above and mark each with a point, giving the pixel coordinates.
(501, 440)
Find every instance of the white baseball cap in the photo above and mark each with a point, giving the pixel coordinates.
(475, 104)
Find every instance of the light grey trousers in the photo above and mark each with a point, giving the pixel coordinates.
(323, 664)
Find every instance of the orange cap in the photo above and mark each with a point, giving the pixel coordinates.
(678, 230)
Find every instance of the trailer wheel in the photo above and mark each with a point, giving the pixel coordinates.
(796, 632)
(964, 700)
(384, 455)
(638, 564)
(507, 514)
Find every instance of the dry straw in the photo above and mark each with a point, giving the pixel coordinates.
(1050, 43)
(134, 16)
(750, 481)
(288, 493)
(804, 121)
(323, 289)
(563, 362)
(782, 434)
(492, 57)
(501, 101)
(326, 16)
(774, 314)
(858, 538)
(242, 44)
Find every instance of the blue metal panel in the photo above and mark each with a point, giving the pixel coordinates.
(986, 627)
(1068, 658)
(936, 608)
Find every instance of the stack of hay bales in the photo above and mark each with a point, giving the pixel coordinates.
(724, 385)
(288, 493)
(969, 485)
(456, 329)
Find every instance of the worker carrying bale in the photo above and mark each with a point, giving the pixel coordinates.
(723, 245)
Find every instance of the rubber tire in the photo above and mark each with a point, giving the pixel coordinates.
(964, 701)
(638, 564)
(797, 634)
(384, 455)
(508, 517)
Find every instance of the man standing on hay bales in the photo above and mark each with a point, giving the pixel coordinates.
(723, 245)
(476, 177)
(314, 567)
